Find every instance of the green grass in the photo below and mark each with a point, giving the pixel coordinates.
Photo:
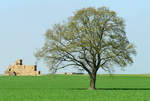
(74, 88)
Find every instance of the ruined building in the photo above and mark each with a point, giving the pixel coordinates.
(18, 69)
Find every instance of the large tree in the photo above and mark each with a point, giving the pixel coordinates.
(91, 39)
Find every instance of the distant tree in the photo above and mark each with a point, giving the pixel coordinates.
(91, 39)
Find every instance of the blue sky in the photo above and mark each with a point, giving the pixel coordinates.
(24, 22)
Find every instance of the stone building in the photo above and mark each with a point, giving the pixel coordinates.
(18, 69)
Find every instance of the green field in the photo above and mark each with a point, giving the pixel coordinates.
(74, 88)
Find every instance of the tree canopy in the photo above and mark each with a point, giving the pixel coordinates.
(91, 39)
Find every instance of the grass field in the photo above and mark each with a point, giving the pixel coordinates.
(74, 88)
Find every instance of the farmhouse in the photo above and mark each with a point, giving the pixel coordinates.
(18, 69)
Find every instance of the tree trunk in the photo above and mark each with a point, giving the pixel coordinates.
(92, 81)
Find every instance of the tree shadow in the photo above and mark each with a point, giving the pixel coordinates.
(123, 88)
(111, 88)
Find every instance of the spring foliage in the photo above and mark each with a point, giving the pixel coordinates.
(91, 39)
